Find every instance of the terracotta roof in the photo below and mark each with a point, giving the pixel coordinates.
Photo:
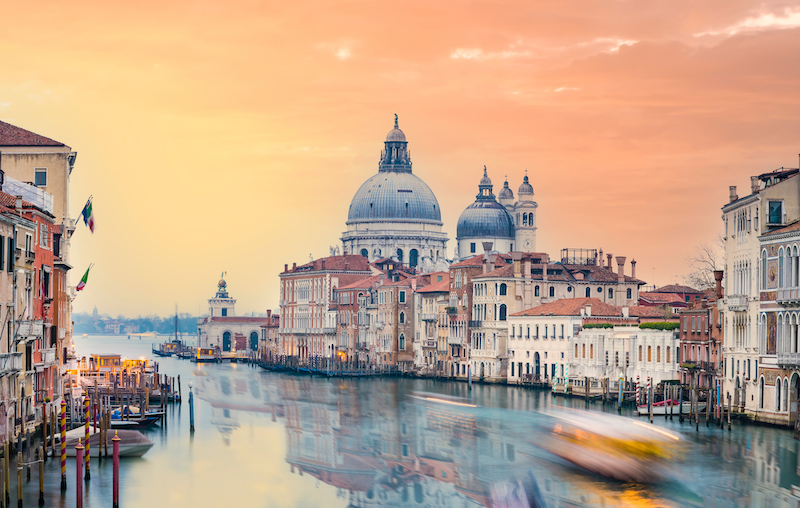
(677, 288)
(660, 298)
(401, 282)
(365, 283)
(437, 287)
(10, 201)
(503, 271)
(478, 260)
(11, 135)
(572, 307)
(786, 229)
(595, 273)
(351, 262)
(648, 312)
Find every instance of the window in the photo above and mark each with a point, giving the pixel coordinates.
(588, 292)
(668, 358)
(40, 178)
(472, 248)
(658, 354)
(764, 270)
(552, 291)
(43, 233)
(364, 253)
(402, 317)
(402, 297)
(610, 293)
(413, 257)
(591, 351)
(537, 332)
(536, 291)
(2, 252)
(775, 212)
(640, 353)
(224, 312)
(583, 350)
(630, 294)
(503, 312)
(402, 342)
(649, 354)
(562, 331)
(400, 255)
(503, 289)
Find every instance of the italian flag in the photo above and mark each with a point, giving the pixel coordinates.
(88, 216)
(82, 283)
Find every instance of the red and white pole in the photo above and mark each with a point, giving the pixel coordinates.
(116, 440)
(638, 392)
(78, 474)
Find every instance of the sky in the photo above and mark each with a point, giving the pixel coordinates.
(232, 136)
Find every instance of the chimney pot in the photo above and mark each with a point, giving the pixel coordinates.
(733, 196)
(620, 268)
(633, 268)
(18, 203)
(754, 185)
(294, 266)
(286, 267)
(609, 256)
(588, 311)
(718, 274)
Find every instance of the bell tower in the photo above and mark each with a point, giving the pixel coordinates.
(525, 217)
(222, 305)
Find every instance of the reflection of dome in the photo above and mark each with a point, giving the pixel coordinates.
(505, 192)
(525, 188)
(393, 195)
(485, 218)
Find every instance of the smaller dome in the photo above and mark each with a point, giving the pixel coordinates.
(396, 134)
(485, 180)
(505, 192)
(525, 188)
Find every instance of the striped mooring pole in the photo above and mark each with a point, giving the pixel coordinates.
(63, 445)
(566, 378)
(87, 420)
(638, 391)
(647, 393)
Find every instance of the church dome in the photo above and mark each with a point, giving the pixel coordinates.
(485, 219)
(394, 196)
(396, 135)
(525, 189)
(506, 192)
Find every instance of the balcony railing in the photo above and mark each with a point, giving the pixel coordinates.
(429, 343)
(10, 362)
(474, 324)
(30, 328)
(737, 303)
(789, 359)
(45, 358)
(430, 316)
(789, 296)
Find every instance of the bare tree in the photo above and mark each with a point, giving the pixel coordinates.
(707, 258)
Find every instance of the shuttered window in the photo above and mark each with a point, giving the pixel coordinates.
(2, 252)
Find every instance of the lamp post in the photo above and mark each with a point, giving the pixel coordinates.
(191, 407)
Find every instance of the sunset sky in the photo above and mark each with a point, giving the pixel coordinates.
(232, 136)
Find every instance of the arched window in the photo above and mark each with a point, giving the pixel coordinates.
(630, 294)
(668, 355)
(588, 292)
(402, 317)
(552, 291)
(780, 268)
(401, 342)
(530, 219)
(503, 312)
(412, 258)
(226, 341)
(610, 293)
(517, 219)
(640, 353)
(658, 354)
(649, 354)
(253, 341)
(785, 394)
(365, 253)
(503, 289)
(536, 291)
(778, 394)
(400, 255)
(591, 351)
(576, 346)
(764, 272)
(583, 350)
(524, 219)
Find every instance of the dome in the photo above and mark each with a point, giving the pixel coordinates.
(485, 219)
(391, 195)
(525, 188)
(485, 180)
(396, 135)
(505, 192)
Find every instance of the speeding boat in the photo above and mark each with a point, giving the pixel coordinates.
(620, 448)
(663, 407)
(132, 442)
(438, 398)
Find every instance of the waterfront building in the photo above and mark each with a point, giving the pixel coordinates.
(432, 324)
(778, 381)
(308, 313)
(352, 318)
(396, 323)
(459, 311)
(595, 339)
(224, 330)
(269, 345)
(667, 301)
(773, 203)
(701, 340)
(394, 214)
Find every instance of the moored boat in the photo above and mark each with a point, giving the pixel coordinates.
(132, 442)
(203, 354)
(663, 407)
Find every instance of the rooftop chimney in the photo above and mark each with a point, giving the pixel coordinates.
(620, 269)
(294, 266)
(609, 256)
(626, 312)
(18, 203)
(733, 196)
(600, 258)
(588, 311)
(487, 247)
(286, 267)
(633, 268)
(718, 278)
(754, 184)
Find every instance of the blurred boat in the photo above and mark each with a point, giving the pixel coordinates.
(620, 448)
(441, 399)
(663, 407)
(132, 442)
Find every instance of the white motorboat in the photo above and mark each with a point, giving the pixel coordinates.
(662, 408)
(132, 442)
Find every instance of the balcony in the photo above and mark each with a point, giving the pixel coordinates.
(44, 358)
(10, 363)
(791, 360)
(474, 324)
(428, 343)
(30, 256)
(737, 303)
(708, 367)
(30, 328)
(430, 316)
(455, 340)
(788, 297)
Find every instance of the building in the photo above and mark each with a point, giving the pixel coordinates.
(308, 306)
(773, 203)
(523, 211)
(586, 337)
(701, 341)
(224, 330)
(269, 347)
(432, 322)
(394, 214)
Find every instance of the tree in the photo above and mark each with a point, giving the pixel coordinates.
(706, 260)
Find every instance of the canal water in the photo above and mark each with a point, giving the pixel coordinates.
(274, 440)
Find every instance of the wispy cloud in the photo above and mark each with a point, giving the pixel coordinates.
(566, 89)
(765, 21)
(531, 50)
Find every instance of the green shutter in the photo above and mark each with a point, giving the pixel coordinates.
(10, 267)
(2, 251)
